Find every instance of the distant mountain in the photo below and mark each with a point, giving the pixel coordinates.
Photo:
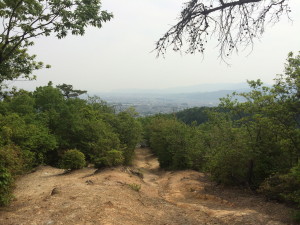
(149, 102)
(200, 88)
(153, 103)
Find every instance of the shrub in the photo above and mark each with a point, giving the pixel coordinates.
(135, 187)
(228, 165)
(73, 159)
(111, 158)
(283, 187)
(13, 159)
(6, 185)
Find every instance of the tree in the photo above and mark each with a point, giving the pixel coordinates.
(191, 115)
(69, 92)
(47, 98)
(129, 130)
(236, 23)
(100, 105)
(24, 20)
(176, 144)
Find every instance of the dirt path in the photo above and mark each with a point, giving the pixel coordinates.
(108, 198)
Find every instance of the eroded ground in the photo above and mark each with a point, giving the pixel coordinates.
(48, 197)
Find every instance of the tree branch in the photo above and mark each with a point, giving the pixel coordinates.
(236, 24)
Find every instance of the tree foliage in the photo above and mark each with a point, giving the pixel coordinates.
(254, 143)
(69, 92)
(192, 115)
(41, 127)
(175, 144)
(24, 20)
(6, 183)
(129, 131)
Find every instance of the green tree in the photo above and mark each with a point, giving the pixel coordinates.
(69, 92)
(48, 98)
(177, 145)
(267, 126)
(38, 127)
(100, 105)
(31, 138)
(24, 20)
(196, 114)
(226, 151)
(129, 131)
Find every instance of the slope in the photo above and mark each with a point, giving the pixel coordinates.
(111, 197)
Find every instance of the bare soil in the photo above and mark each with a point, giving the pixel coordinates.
(111, 197)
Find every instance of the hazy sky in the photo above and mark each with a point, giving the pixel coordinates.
(119, 56)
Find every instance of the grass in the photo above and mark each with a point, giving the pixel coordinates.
(135, 187)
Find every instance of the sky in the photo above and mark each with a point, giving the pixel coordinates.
(119, 55)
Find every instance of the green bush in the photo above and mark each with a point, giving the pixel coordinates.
(111, 158)
(6, 185)
(228, 166)
(72, 160)
(284, 187)
(36, 138)
(13, 159)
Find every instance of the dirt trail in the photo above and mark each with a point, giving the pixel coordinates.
(187, 197)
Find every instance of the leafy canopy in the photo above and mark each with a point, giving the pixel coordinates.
(23, 20)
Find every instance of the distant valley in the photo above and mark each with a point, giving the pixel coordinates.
(149, 102)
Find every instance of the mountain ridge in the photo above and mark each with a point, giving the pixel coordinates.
(199, 88)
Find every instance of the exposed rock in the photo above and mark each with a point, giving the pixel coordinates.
(55, 191)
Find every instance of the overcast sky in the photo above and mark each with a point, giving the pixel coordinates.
(119, 56)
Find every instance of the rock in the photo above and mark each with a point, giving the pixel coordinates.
(109, 204)
(89, 182)
(50, 222)
(55, 191)
(137, 173)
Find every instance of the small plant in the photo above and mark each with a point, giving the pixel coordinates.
(135, 187)
(72, 160)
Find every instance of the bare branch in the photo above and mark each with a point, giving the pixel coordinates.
(235, 23)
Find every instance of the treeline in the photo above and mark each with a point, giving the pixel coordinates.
(52, 126)
(255, 143)
(194, 115)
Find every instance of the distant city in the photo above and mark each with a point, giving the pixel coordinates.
(171, 100)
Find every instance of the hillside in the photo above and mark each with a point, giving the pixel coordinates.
(48, 196)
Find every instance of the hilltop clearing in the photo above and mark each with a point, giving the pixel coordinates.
(142, 194)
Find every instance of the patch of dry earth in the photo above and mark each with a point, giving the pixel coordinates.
(48, 197)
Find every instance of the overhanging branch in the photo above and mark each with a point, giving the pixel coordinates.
(235, 24)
